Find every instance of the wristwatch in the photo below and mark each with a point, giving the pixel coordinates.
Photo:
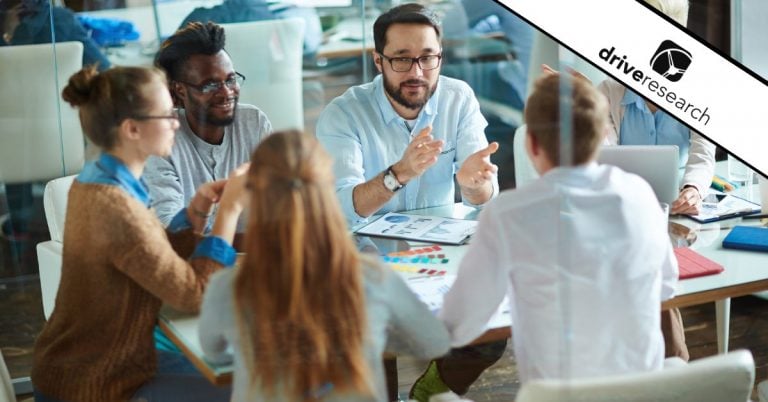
(390, 180)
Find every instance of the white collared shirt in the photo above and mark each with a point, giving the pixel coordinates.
(586, 260)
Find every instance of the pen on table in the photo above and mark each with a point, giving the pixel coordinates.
(757, 216)
(717, 186)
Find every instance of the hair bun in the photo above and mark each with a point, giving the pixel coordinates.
(80, 87)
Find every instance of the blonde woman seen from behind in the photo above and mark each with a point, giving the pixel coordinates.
(308, 317)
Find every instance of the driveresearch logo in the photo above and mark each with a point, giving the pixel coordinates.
(671, 70)
(671, 60)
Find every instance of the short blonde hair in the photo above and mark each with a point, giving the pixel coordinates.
(589, 113)
(675, 9)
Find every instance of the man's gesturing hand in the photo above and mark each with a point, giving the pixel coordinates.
(477, 170)
(420, 155)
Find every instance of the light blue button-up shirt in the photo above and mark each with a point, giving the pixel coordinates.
(641, 127)
(365, 135)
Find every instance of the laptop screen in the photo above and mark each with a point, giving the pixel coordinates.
(657, 164)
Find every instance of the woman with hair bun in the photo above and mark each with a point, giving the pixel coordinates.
(119, 263)
(307, 317)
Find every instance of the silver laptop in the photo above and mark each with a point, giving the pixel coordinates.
(657, 164)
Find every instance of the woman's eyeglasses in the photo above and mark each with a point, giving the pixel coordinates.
(174, 115)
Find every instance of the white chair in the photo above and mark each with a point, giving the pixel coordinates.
(762, 391)
(524, 171)
(49, 252)
(269, 54)
(721, 378)
(40, 136)
(6, 387)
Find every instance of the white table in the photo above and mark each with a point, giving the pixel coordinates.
(745, 273)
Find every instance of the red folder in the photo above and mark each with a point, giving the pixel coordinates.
(693, 264)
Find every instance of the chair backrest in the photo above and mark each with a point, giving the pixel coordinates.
(55, 205)
(33, 146)
(269, 54)
(6, 387)
(524, 171)
(720, 378)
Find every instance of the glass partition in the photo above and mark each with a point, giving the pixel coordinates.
(296, 58)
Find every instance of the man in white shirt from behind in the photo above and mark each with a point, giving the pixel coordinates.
(583, 254)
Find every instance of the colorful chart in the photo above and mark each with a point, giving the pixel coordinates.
(416, 251)
(422, 261)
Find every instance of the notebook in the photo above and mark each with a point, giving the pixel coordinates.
(425, 228)
(693, 264)
(656, 164)
(747, 238)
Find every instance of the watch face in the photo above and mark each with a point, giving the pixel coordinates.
(390, 182)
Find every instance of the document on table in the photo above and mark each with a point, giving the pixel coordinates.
(431, 291)
(432, 229)
(717, 207)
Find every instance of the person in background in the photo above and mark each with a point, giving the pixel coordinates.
(306, 316)
(504, 81)
(582, 253)
(28, 22)
(216, 133)
(636, 121)
(119, 263)
(230, 11)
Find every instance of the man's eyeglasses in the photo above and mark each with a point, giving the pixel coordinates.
(174, 115)
(232, 82)
(403, 64)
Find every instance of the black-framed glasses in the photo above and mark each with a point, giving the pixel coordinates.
(174, 115)
(403, 64)
(233, 82)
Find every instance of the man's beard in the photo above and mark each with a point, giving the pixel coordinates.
(204, 114)
(215, 121)
(396, 93)
(221, 122)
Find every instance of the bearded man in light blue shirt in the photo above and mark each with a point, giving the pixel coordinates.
(397, 143)
(398, 140)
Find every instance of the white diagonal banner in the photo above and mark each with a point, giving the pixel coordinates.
(662, 62)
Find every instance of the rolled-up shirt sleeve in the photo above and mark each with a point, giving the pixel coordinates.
(216, 249)
(471, 138)
(336, 133)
